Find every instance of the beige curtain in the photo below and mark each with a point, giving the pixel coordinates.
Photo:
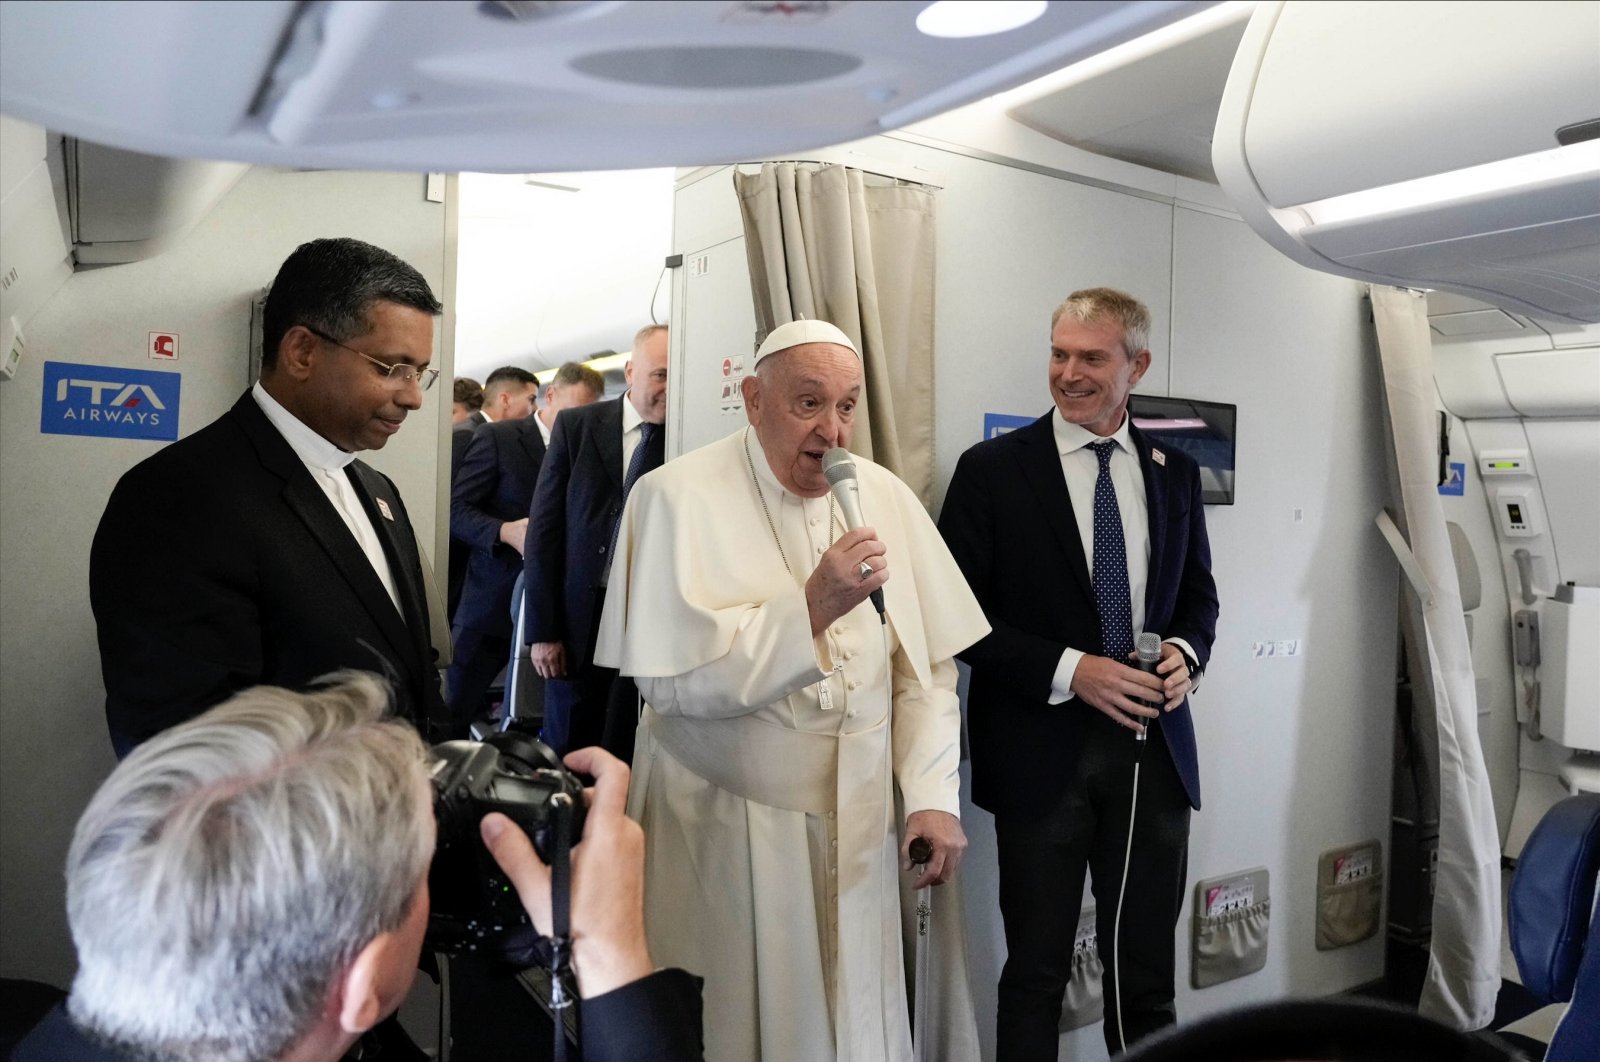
(1464, 954)
(854, 249)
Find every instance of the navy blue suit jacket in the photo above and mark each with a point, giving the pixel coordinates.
(1009, 523)
(460, 438)
(220, 564)
(575, 511)
(493, 486)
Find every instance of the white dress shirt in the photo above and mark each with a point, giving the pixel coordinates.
(329, 466)
(544, 429)
(1081, 468)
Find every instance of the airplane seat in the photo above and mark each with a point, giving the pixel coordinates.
(1555, 933)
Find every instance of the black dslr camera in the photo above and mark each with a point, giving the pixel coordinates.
(474, 907)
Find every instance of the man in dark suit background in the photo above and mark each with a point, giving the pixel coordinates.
(466, 399)
(508, 394)
(595, 452)
(1076, 532)
(259, 549)
(489, 504)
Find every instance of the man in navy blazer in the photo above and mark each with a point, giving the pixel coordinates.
(508, 394)
(260, 549)
(572, 527)
(1057, 716)
(489, 504)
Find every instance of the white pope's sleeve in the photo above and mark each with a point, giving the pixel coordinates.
(926, 728)
(772, 656)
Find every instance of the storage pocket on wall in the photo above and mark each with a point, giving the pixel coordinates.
(1349, 894)
(1231, 944)
(1083, 1003)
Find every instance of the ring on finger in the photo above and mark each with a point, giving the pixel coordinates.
(866, 571)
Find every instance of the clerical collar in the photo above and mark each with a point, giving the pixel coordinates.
(1070, 436)
(312, 449)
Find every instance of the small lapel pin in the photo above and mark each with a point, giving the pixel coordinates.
(1155, 455)
(383, 507)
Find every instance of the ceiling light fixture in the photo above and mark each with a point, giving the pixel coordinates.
(977, 18)
(1522, 172)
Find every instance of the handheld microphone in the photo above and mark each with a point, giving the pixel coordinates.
(840, 469)
(1147, 647)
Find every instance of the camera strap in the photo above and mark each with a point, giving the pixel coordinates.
(561, 932)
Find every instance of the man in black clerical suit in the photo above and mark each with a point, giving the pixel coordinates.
(260, 549)
(489, 503)
(1076, 532)
(595, 453)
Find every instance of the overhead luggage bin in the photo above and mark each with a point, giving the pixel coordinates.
(1448, 146)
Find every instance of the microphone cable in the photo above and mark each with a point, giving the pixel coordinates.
(1148, 648)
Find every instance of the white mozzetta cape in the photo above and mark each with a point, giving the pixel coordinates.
(767, 762)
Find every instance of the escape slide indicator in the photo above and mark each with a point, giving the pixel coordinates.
(108, 402)
(1456, 485)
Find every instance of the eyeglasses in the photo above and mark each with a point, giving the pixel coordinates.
(399, 374)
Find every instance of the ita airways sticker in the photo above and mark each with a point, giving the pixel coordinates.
(1158, 457)
(997, 424)
(110, 402)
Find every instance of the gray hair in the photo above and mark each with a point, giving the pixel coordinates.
(643, 334)
(1111, 306)
(232, 867)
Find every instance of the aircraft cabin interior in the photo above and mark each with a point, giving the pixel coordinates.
(1368, 234)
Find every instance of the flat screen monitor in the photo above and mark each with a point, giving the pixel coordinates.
(1203, 430)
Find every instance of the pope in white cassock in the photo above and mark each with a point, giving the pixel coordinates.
(783, 720)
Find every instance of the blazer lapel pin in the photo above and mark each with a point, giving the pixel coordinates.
(1158, 457)
(383, 507)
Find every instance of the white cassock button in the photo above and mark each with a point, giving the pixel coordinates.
(852, 684)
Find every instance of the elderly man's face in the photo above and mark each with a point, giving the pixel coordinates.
(350, 401)
(802, 405)
(646, 373)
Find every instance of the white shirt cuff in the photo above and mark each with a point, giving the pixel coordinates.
(1061, 682)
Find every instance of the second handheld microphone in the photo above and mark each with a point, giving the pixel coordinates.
(1147, 647)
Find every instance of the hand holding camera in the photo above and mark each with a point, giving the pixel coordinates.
(607, 878)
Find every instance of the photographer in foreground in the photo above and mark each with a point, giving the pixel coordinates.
(252, 886)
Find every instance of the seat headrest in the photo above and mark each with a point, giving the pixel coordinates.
(1553, 897)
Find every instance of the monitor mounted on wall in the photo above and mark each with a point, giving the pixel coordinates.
(1203, 430)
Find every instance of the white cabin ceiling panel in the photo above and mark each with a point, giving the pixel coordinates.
(431, 85)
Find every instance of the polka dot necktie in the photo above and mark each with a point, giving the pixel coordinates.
(1110, 562)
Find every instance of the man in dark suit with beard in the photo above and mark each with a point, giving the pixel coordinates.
(260, 549)
(595, 454)
(1075, 533)
(489, 503)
